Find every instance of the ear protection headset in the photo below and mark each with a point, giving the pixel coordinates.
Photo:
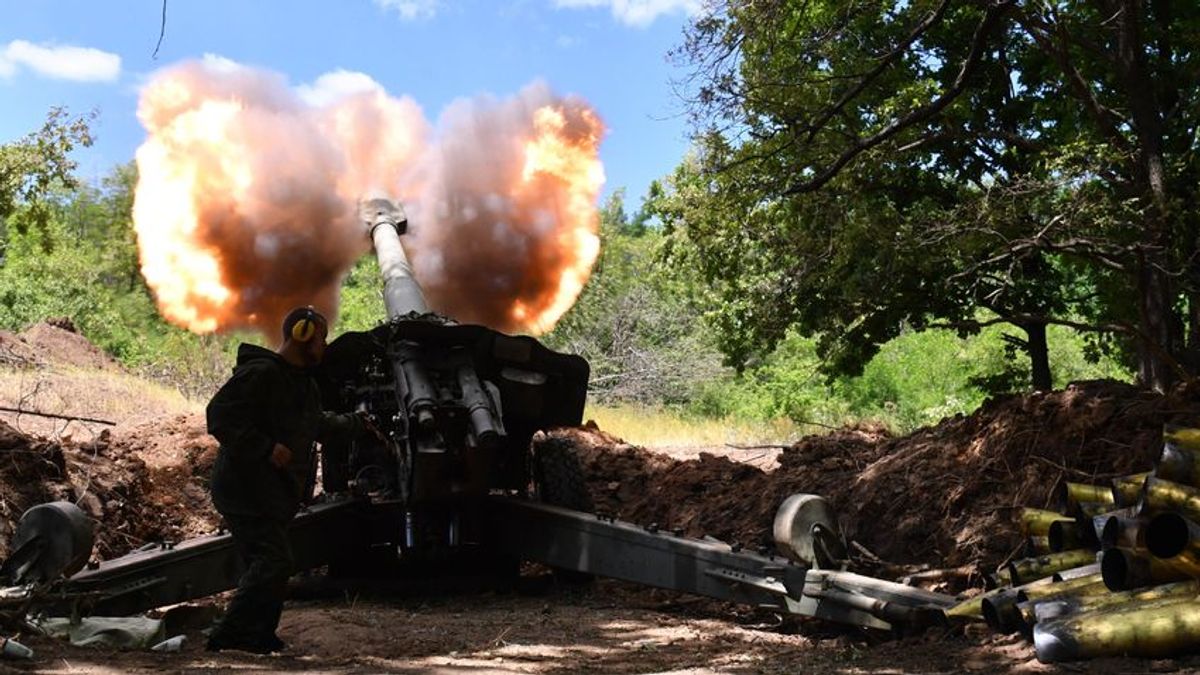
(304, 329)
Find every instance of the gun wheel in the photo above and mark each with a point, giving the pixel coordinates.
(558, 476)
(558, 480)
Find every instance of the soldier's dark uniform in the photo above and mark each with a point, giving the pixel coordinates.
(267, 401)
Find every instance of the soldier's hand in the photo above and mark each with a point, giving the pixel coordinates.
(281, 455)
(368, 425)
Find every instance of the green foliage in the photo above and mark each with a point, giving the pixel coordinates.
(34, 166)
(915, 380)
(638, 320)
(362, 305)
(645, 320)
(70, 251)
(862, 167)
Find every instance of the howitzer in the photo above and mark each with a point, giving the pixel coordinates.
(453, 481)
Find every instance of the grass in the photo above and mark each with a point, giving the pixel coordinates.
(102, 394)
(662, 427)
(125, 398)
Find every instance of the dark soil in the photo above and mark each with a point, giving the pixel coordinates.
(944, 497)
(132, 494)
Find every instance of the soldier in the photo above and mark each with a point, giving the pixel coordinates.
(266, 418)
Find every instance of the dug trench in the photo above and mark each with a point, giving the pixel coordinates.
(939, 504)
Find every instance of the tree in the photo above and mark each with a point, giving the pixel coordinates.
(33, 167)
(100, 220)
(868, 165)
(637, 321)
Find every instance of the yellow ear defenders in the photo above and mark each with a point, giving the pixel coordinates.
(304, 329)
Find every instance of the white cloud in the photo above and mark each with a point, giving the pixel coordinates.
(220, 64)
(410, 9)
(59, 62)
(639, 13)
(336, 85)
(566, 41)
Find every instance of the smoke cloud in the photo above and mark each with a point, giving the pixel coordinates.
(246, 202)
(490, 239)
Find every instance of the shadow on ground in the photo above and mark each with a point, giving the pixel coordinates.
(608, 627)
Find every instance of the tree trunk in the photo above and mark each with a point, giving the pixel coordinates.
(1158, 340)
(1039, 356)
(1161, 332)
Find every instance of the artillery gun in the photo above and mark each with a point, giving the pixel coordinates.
(453, 480)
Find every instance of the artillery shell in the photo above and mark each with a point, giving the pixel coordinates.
(1178, 464)
(1053, 606)
(1174, 538)
(1031, 569)
(1076, 572)
(1164, 495)
(1036, 522)
(1085, 511)
(1068, 494)
(1001, 611)
(1125, 569)
(972, 608)
(1085, 584)
(1050, 608)
(1037, 546)
(1064, 535)
(1187, 437)
(1155, 628)
(1127, 490)
(999, 578)
(1121, 531)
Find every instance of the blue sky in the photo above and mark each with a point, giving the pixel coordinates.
(612, 52)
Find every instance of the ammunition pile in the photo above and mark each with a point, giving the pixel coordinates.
(1114, 572)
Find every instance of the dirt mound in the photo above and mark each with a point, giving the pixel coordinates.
(57, 341)
(132, 501)
(945, 496)
(15, 352)
(52, 342)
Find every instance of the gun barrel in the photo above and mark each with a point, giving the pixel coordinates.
(385, 222)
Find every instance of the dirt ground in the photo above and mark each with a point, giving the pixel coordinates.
(942, 498)
(609, 627)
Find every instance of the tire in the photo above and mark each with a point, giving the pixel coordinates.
(558, 477)
(558, 480)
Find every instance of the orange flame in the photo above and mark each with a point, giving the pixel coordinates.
(187, 279)
(569, 160)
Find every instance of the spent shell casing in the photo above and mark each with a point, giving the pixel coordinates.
(1155, 628)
